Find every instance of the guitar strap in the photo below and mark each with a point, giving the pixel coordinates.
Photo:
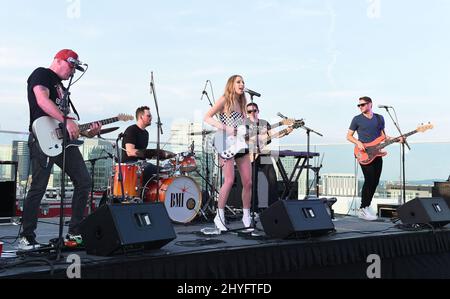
(379, 122)
(74, 109)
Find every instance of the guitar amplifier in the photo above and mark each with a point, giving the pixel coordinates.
(267, 188)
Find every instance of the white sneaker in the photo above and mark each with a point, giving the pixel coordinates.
(28, 243)
(247, 220)
(220, 223)
(365, 214)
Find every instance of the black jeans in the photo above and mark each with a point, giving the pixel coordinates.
(41, 168)
(372, 173)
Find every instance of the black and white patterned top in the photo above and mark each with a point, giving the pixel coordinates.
(234, 119)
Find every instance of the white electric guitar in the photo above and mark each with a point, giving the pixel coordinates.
(227, 146)
(48, 132)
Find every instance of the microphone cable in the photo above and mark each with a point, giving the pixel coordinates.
(81, 76)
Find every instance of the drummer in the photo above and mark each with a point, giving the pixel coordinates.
(135, 141)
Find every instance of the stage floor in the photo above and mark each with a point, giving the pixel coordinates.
(231, 255)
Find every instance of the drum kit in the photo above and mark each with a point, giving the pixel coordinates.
(180, 193)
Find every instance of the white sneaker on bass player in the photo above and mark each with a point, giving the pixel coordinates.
(366, 214)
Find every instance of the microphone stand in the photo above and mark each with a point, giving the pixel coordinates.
(158, 138)
(119, 161)
(93, 161)
(206, 169)
(255, 167)
(308, 143)
(403, 153)
(65, 107)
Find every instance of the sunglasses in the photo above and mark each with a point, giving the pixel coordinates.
(250, 111)
(362, 105)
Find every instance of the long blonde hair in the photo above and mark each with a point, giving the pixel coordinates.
(231, 96)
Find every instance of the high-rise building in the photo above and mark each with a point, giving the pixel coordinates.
(6, 171)
(339, 184)
(182, 140)
(21, 154)
(91, 150)
(98, 148)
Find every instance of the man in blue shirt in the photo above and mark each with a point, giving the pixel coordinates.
(369, 127)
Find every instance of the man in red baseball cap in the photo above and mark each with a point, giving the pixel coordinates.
(71, 57)
(45, 95)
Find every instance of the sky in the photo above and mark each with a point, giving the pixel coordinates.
(310, 59)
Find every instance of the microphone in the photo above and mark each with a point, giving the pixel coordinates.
(204, 90)
(121, 135)
(252, 93)
(281, 115)
(384, 106)
(76, 63)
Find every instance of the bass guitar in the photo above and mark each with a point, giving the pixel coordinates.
(375, 148)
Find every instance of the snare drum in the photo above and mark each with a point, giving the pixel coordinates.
(132, 180)
(181, 196)
(184, 162)
(188, 164)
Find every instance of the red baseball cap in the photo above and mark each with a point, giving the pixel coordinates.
(65, 54)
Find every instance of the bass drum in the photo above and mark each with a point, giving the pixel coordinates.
(181, 196)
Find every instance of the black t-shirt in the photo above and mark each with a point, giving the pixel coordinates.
(47, 78)
(134, 135)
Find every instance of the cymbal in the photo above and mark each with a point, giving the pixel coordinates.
(153, 153)
(204, 132)
(107, 130)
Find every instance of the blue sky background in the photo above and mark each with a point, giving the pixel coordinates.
(309, 59)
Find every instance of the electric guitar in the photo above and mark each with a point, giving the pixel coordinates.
(49, 133)
(227, 146)
(264, 140)
(375, 148)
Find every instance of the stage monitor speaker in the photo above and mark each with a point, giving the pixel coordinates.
(126, 227)
(421, 210)
(296, 218)
(8, 199)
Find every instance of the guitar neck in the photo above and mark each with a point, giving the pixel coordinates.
(86, 126)
(396, 139)
(278, 134)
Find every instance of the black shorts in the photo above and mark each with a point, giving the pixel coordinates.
(241, 154)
